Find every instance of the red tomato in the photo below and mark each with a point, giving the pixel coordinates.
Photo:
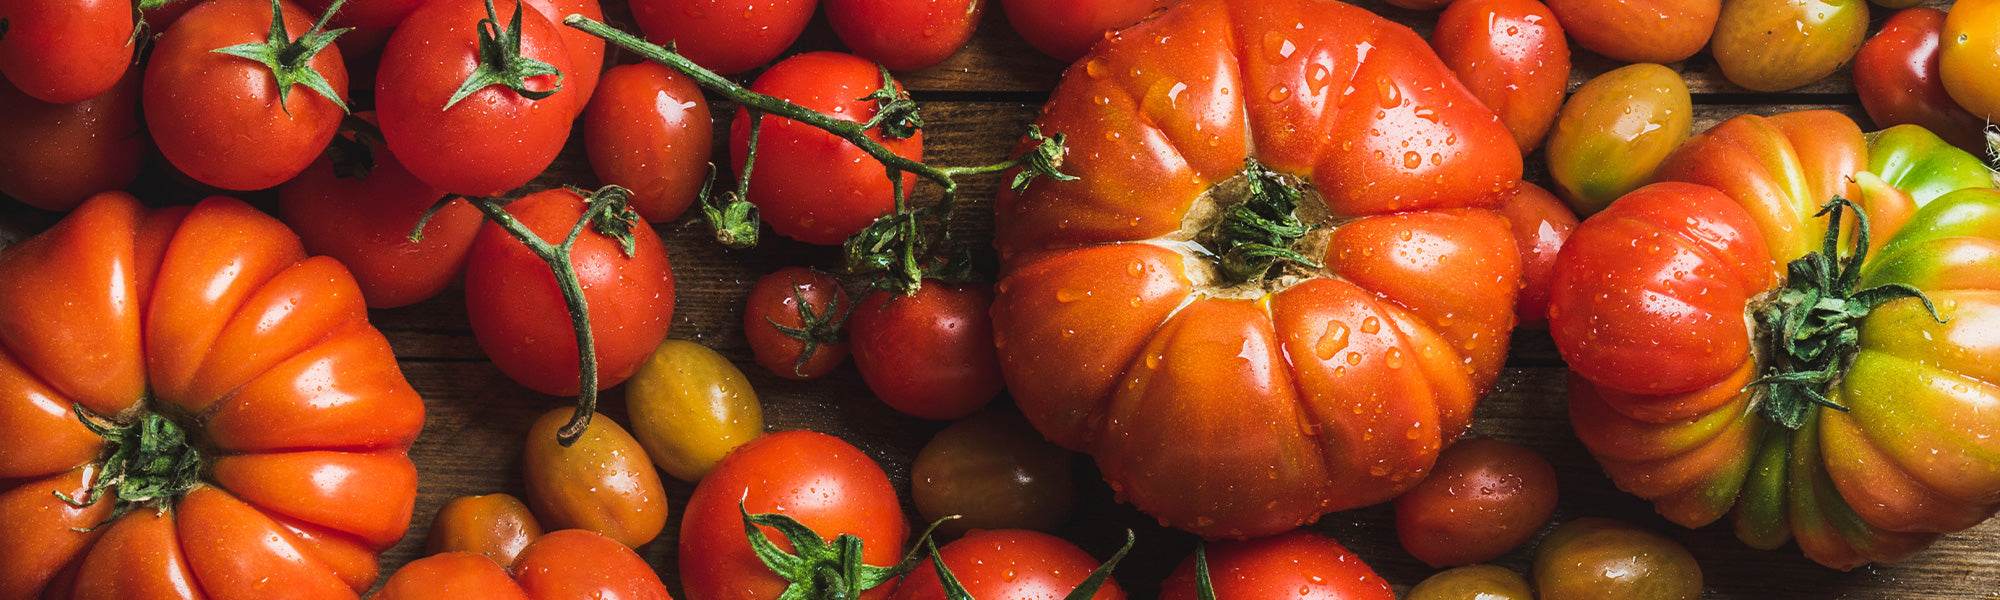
(495, 139)
(1300, 564)
(648, 130)
(726, 36)
(1649, 31)
(904, 35)
(1007, 563)
(1541, 223)
(929, 355)
(53, 156)
(811, 185)
(1065, 29)
(1512, 55)
(775, 321)
(1484, 498)
(586, 52)
(1896, 73)
(63, 51)
(1419, 4)
(518, 314)
(824, 483)
(564, 565)
(371, 21)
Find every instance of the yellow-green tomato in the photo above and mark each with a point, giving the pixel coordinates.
(1774, 45)
(602, 482)
(1473, 582)
(1969, 63)
(1615, 131)
(689, 407)
(1602, 559)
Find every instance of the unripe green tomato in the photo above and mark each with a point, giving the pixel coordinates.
(1775, 45)
(1615, 131)
(1473, 582)
(689, 407)
(1602, 559)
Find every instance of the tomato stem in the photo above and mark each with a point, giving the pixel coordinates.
(1258, 234)
(816, 568)
(289, 60)
(734, 219)
(150, 463)
(502, 63)
(1204, 585)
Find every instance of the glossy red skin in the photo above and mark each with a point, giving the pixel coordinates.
(928, 355)
(1896, 74)
(1420, 4)
(1512, 55)
(586, 52)
(56, 155)
(904, 35)
(648, 129)
(371, 20)
(823, 482)
(63, 51)
(1007, 564)
(1065, 29)
(572, 564)
(726, 36)
(1640, 31)
(1485, 498)
(1541, 223)
(518, 314)
(492, 141)
(810, 185)
(1300, 564)
(775, 299)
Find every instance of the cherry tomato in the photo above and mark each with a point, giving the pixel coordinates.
(810, 185)
(1615, 131)
(1649, 31)
(1065, 29)
(562, 565)
(993, 471)
(726, 36)
(793, 320)
(1007, 564)
(63, 51)
(586, 52)
(56, 155)
(602, 482)
(1971, 56)
(904, 35)
(1896, 74)
(690, 407)
(1512, 54)
(1775, 45)
(1420, 4)
(1592, 558)
(1475, 582)
(1541, 224)
(648, 129)
(496, 526)
(1300, 564)
(929, 355)
(1484, 498)
(518, 314)
(370, 22)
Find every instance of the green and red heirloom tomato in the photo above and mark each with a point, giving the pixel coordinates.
(993, 471)
(904, 35)
(1302, 327)
(1639, 31)
(1512, 55)
(1615, 131)
(1066, 29)
(1896, 74)
(1971, 56)
(1474, 582)
(1300, 564)
(1484, 498)
(571, 564)
(63, 51)
(1730, 356)
(1541, 224)
(690, 407)
(1775, 45)
(602, 482)
(1007, 563)
(119, 324)
(793, 320)
(725, 36)
(496, 526)
(1602, 559)
(56, 155)
(928, 354)
(648, 130)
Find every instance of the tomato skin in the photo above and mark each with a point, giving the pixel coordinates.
(603, 482)
(1897, 75)
(1483, 499)
(810, 185)
(929, 355)
(1299, 564)
(496, 526)
(690, 407)
(1593, 558)
(726, 36)
(1541, 224)
(68, 51)
(993, 471)
(519, 316)
(1654, 31)
(1512, 55)
(1971, 56)
(586, 52)
(774, 301)
(563, 565)
(823, 482)
(648, 129)
(1775, 45)
(56, 155)
(1615, 131)
(1475, 582)
(1066, 29)
(904, 35)
(1007, 564)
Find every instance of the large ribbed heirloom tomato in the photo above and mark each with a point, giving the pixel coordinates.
(1277, 285)
(192, 408)
(1732, 356)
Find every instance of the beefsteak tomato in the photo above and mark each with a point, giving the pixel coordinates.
(572, 564)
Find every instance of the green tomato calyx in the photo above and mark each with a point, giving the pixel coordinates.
(149, 463)
(501, 62)
(954, 590)
(817, 568)
(1260, 233)
(290, 60)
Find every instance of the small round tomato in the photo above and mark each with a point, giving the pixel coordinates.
(519, 316)
(648, 130)
(1420, 4)
(565, 564)
(1475, 582)
(1593, 559)
(690, 407)
(820, 481)
(810, 185)
(1896, 74)
(929, 354)
(496, 526)
(1065, 29)
(586, 52)
(1300, 564)
(1615, 131)
(726, 36)
(1541, 224)
(1512, 54)
(1660, 31)
(993, 471)
(1007, 564)
(1971, 56)
(63, 51)
(56, 155)
(1775, 45)
(1484, 498)
(369, 21)
(904, 35)
(602, 482)
(793, 320)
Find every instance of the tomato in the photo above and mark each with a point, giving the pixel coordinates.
(1776, 45)
(793, 321)
(496, 526)
(518, 314)
(493, 140)
(1484, 498)
(1668, 305)
(370, 20)
(994, 472)
(586, 52)
(1592, 558)
(603, 482)
(1896, 74)
(1235, 404)
(56, 155)
(648, 130)
(930, 354)
(1475, 582)
(810, 185)
(1971, 56)
(904, 35)
(1639, 31)
(1615, 131)
(1007, 564)
(295, 475)
(1541, 224)
(726, 36)
(690, 407)
(63, 51)
(1420, 4)
(564, 565)
(1066, 29)
(1512, 55)
(824, 483)
(1299, 564)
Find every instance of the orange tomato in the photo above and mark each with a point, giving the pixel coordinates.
(1775, 45)
(497, 526)
(1639, 31)
(564, 565)
(603, 482)
(1970, 59)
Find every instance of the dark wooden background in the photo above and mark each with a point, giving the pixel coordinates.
(976, 105)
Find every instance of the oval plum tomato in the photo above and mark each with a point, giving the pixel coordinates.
(572, 563)
(810, 185)
(63, 51)
(1008, 563)
(496, 526)
(1541, 224)
(1602, 559)
(1065, 29)
(1615, 131)
(1971, 56)
(1512, 55)
(726, 36)
(793, 319)
(56, 155)
(485, 141)
(816, 479)
(993, 471)
(1475, 582)
(930, 354)
(236, 107)
(1776, 45)
(690, 407)
(1484, 498)
(648, 130)
(602, 482)
(1649, 31)
(1896, 74)
(904, 35)
(1299, 564)
(586, 52)
(518, 313)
